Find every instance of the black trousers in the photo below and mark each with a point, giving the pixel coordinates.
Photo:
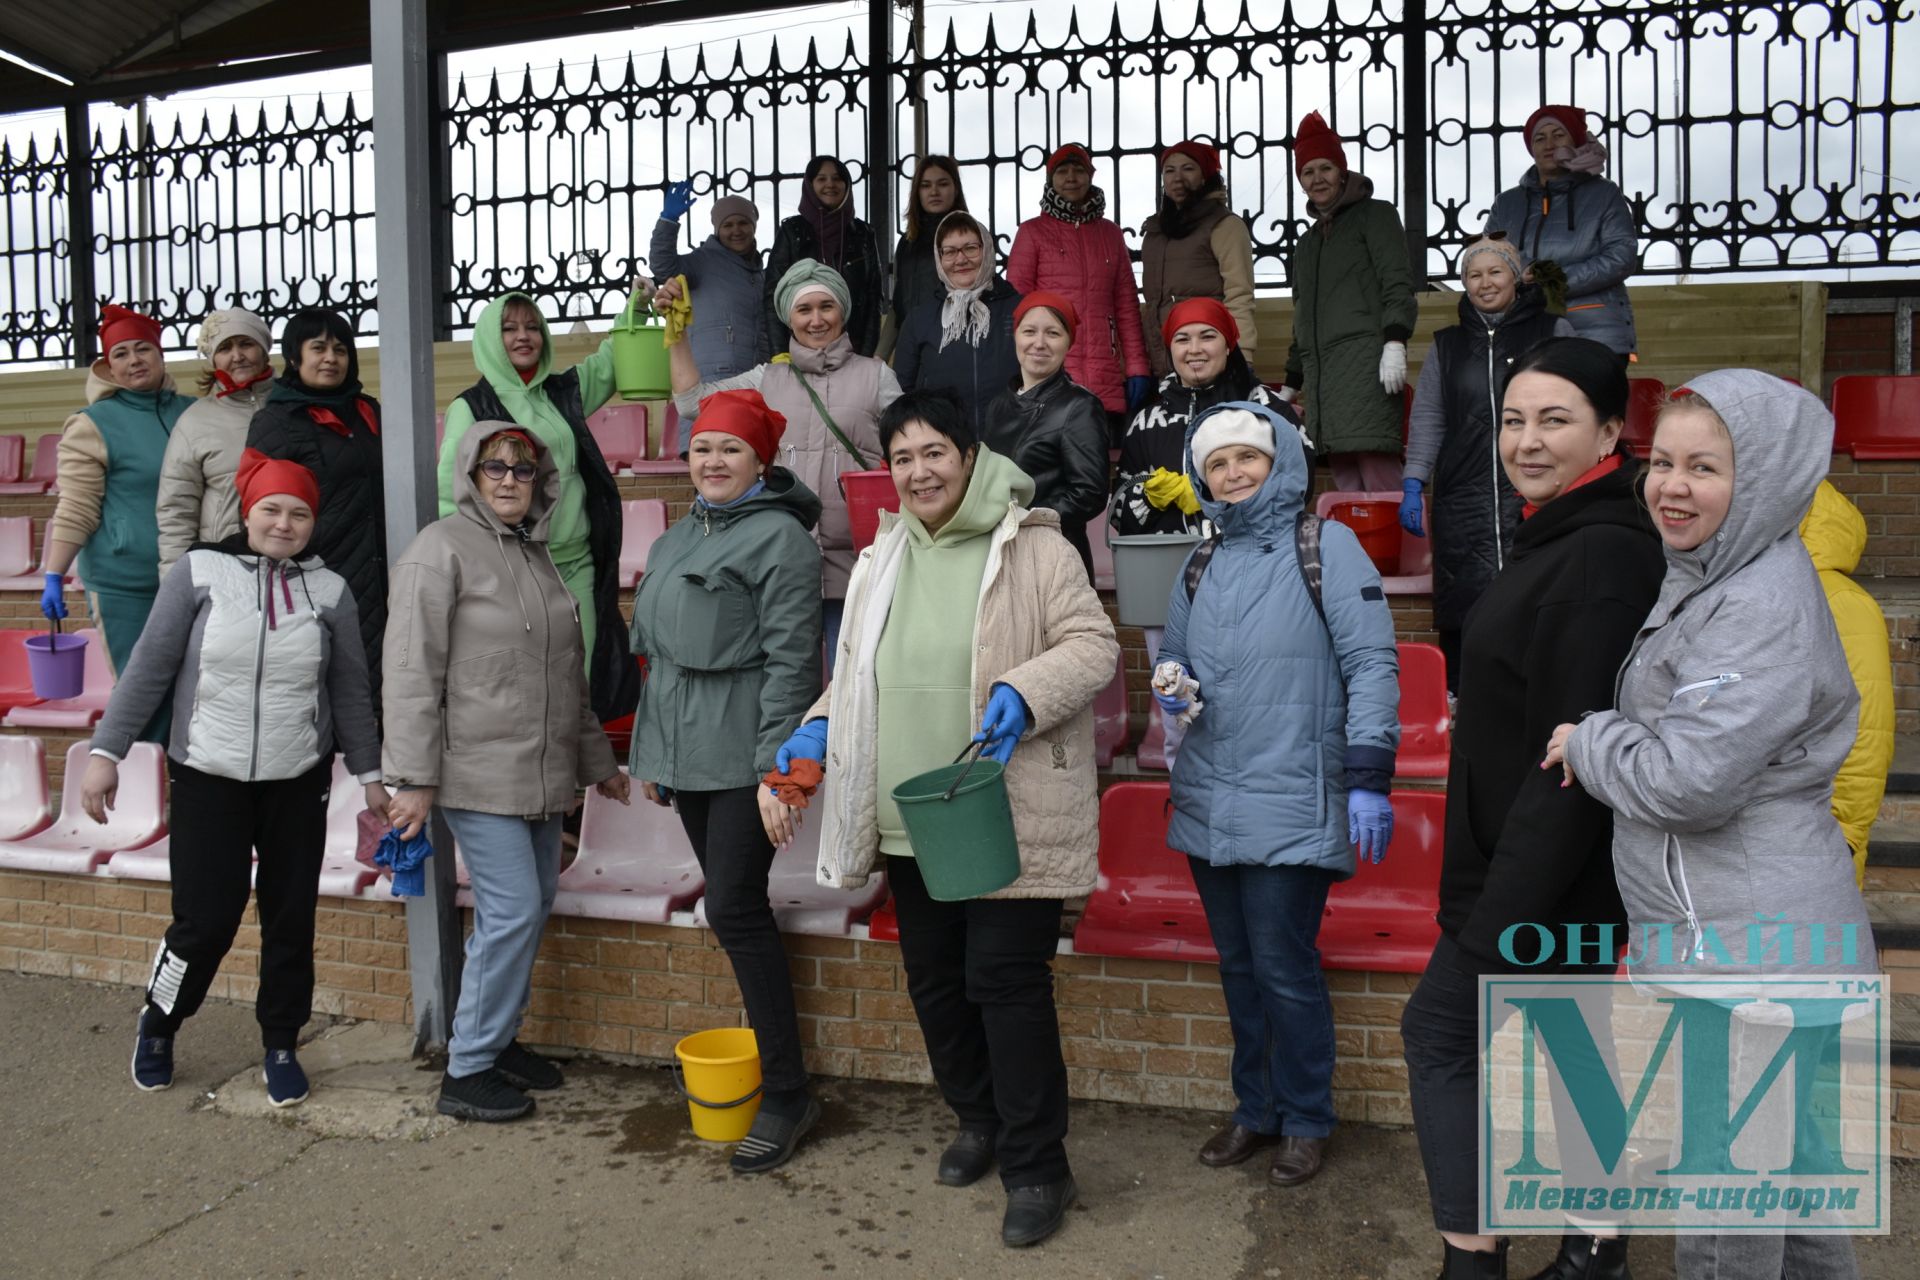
(1450, 650)
(217, 823)
(736, 856)
(981, 979)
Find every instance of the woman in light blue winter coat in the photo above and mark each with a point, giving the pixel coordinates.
(728, 335)
(1290, 678)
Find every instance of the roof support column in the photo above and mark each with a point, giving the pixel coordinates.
(83, 305)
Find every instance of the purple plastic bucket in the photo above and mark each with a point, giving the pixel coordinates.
(57, 662)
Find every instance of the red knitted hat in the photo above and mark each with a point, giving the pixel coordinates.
(1202, 154)
(260, 477)
(1052, 302)
(743, 414)
(1313, 140)
(1200, 311)
(1573, 118)
(118, 325)
(1072, 151)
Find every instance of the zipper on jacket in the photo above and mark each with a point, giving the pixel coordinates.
(1493, 405)
(546, 649)
(259, 661)
(1676, 866)
(1712, 684)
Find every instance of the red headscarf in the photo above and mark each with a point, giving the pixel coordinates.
(260, 476)
(1313, 140)
(1200, 311)
(1052, 302)
(1072, 151)
(743, 414)
(118, 325)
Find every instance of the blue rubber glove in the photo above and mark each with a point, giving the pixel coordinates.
(809, 742)
(1369, 824)
(1412, 515)
(1170, 703)
(1004, 723)
(679, 200)
(1139, 387)
(53, 597)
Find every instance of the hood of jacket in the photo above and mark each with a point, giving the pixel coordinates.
(490, 351)
(1833, 531)
(546, 484)
(996, 485)
(236, 545)
(100, 385)
(818, 360)
(1355, 189)
(1271, 511)
(1782, 443)
(782, 491)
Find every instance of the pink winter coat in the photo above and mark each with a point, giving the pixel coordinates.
(1087, 264)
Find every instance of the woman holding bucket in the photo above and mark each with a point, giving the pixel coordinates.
(970, 610)
(513, 350)
(488, 717)
(728, 617)
(1279, 653)
(829, 396)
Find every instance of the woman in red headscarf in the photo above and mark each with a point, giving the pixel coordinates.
(1195, 247)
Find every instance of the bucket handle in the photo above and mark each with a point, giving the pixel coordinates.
(681, 1082)
(976, 748)
(626, 320)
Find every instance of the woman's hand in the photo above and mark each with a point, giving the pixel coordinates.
(378, 801)
(1557, 752)
(618, 787)
(781, 822)
(653, 792)
(666, 295)
(99, 788)
(409, 809)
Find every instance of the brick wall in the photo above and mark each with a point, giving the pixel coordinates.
(1860, 342)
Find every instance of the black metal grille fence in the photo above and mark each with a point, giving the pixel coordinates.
(1770, 137)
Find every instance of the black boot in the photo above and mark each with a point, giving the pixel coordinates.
(1466, 1264)
(1585, 1257)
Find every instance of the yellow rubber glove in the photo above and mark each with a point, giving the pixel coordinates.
(679, 313)
(1166, 489)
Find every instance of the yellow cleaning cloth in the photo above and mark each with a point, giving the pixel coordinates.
(1165, 489)
(679, 313)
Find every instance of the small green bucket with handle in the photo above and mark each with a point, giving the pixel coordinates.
(640, 353)
(960, 824)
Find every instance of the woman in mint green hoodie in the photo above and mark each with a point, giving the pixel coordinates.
(513, 350)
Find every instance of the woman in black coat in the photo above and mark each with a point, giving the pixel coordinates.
(317, 415)
(936, 193)
(826, 231)
(961, 339)
(1540, 648)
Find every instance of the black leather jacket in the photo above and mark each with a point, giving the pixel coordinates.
(1057, 434)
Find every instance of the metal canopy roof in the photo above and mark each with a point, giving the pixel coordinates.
(120, 49)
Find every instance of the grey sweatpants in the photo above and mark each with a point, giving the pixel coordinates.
(514, 865)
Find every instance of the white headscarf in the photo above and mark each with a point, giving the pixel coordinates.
(964, 315)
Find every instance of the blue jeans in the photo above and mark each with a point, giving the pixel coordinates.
(1265, 923)
(514, 864)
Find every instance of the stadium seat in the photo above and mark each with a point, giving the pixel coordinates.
(1426, 730)
(16, 680)
(1110, 718)
(77, 712)
(1414, 570)
(46, 456)
(25, 806)
(13, 456)
(1382, 918)
(1102, 556)
(1877, 417)
(18, 569)
(800, 903)
(634, 864)
(884, 924)
(621, 432)
(1643, 406)
(341, 874)
(642, 521)
(150, 862)
(77, 845)
(1152, 751)
(1144, 905)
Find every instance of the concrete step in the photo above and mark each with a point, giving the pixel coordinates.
(1906, 1031)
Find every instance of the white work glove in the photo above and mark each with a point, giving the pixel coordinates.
(1393, 367)
(1287, 395)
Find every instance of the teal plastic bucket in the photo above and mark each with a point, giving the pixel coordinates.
(960, 824)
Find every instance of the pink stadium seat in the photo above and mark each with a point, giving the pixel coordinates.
(77, 712)
(16, 682)
(642, 521)
(800, 903)
(1426, 730)
(1144, 905)
(1152, 751)
(25, 807)
(1643, 405)
(1414, 574)
(621, 431)
(18, 569)
(13, 456)
(634, 864)
(1877, 417)
(46, 455)
(662, 456)
(1110, 718)
(152, 862)
(1382, 918)
(75, 844)
(341, 874)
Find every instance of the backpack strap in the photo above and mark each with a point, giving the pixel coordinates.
(1197, 565)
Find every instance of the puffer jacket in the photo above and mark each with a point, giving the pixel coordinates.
(486, 692)
(728, 619)
(1214, 259)
(1088, 264)
(1156, 439)
(974, 373)
(1735, 710)
(1582, 222)
(263, 657)
(1834, 534)
(729, 331)
(198, 501)
(1056, 432)
(866, 280)
(1297, 708)
(1352, 294)
(1038, 628)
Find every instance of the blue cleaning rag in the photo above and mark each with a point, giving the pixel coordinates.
(406, 859)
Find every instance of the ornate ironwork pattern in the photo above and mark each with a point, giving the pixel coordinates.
(34, 281)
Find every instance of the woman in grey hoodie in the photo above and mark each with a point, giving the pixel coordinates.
(1735, 709)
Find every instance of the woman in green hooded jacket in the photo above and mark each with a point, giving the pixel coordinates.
(513, 350)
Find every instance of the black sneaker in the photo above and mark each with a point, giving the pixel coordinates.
(152, 1061)
(484, 1095)
(1034, 1213)
(286, 1082)
(770, 1142)
(525, 1069)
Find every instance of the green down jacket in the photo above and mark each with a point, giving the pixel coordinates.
(727, 617)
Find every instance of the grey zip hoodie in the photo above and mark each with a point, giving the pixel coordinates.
(1735, 709)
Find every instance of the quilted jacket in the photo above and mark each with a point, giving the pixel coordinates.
(1087, 264)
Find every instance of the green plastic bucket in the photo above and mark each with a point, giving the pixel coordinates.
(961, 827)
(640, 354)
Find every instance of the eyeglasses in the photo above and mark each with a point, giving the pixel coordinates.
(959, 252)
(495, 469)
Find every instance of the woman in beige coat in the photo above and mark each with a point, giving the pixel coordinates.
(970, 610)
(198, 501)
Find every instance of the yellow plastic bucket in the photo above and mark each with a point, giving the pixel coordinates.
(640, 354)
(719, 1073)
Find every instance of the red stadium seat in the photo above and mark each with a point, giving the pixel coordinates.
(1643, 406)
(1382, 918)
(46, 455)
(1877, 417)
(1144, 906)
(1110, 718)
(1426, 737)
(884, 924)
